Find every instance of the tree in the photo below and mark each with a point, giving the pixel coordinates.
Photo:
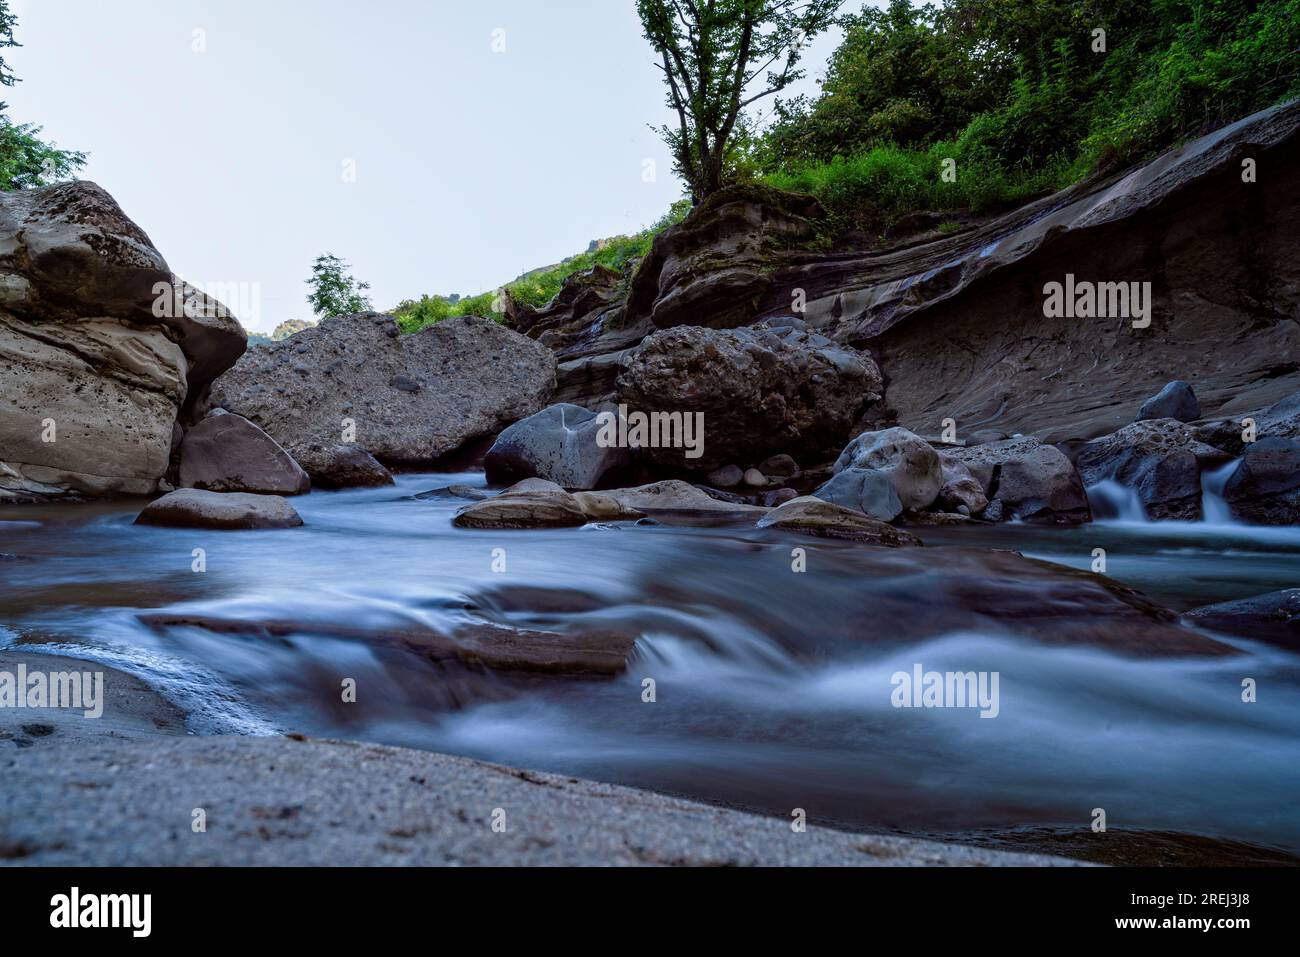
(333, 290)
(713, 54)
(25, 159)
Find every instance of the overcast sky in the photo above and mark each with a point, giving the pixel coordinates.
(225, 129)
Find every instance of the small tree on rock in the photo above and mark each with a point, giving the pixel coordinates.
(333, 290)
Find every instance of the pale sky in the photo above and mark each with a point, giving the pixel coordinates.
(471, 165)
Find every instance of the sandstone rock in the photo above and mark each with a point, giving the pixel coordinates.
(1027, 480)
(83, 352)
(1158, 458)
(1265, 487)
(812, 516)
(582, 293)
(1174, 401)
(729, 476)
(762, 390)
(340, 466)
(869, 491)
(560, 443)
(532, 503)
(905, 458)
(196, 508)
(227, 453)
(1274, 617)
(410, 399)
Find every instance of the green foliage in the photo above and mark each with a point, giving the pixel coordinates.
(25, 159)
(1015, 92)
(540, 286)
(333, 290)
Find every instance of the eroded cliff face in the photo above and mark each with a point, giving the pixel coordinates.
(92, 378)
(1208, 232)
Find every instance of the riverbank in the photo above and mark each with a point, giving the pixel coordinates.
(123, 790)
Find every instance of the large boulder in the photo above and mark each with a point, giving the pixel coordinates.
(869, 491)
(341, 466)
(1160, 459)
(227, 453)
(813, 516)
(1265, 486)
(1025, 479)
(197, 508)
(1174, 401)
(99, 351)
(407, 400)
(772, 388)
(910, 463)
(562, 443)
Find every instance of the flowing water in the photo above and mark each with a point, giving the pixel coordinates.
(772, 686)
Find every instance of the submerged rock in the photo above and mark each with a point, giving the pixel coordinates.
(1274, 617)
(813, 516)
(560, 444)
(227, 453)
(1026, 480)
(196, 508)
(906, 459)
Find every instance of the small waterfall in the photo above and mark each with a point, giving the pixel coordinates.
(1214, 507)
(1112, 501)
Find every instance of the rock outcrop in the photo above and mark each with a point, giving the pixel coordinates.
(772, 388)
(102, 349)
(407, 400)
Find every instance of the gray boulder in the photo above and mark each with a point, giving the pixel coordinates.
(404, 399)
(197, 508)
(1174, 401)
(961, 493)
(729, 476)
(227, 453)
(560, 444)
(1265, 487)
(763, 390)
(909, 461)
(1027, 480)
(869, 491)
(341, 466)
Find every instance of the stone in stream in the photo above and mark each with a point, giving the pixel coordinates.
(906, 459)
(1274, 617)
(561, 443)
(1265, 487)
(1160, 459)
(1174, 401)
(961, 492)
(676, 496)
(812, 516)
(405, 399)
(532, 503)
(341, 466)
(869, 491)
(197, 508)
(227, 453)
(1027, 480)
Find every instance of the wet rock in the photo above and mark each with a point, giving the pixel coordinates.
(227, 453)
(813, 516)
(532, 503)
(561, 444)
(909, 462)
(960, 492)
(1160, 459)
(1026, 480)
(1174, 401)
(869, 491)
(729, 476)
(677, 496)
(341, 466)
(351, 380)
(455, 491)
(197, 508)
(761, 390)
(604, 508)
(1274, 617)
(1265, 487)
